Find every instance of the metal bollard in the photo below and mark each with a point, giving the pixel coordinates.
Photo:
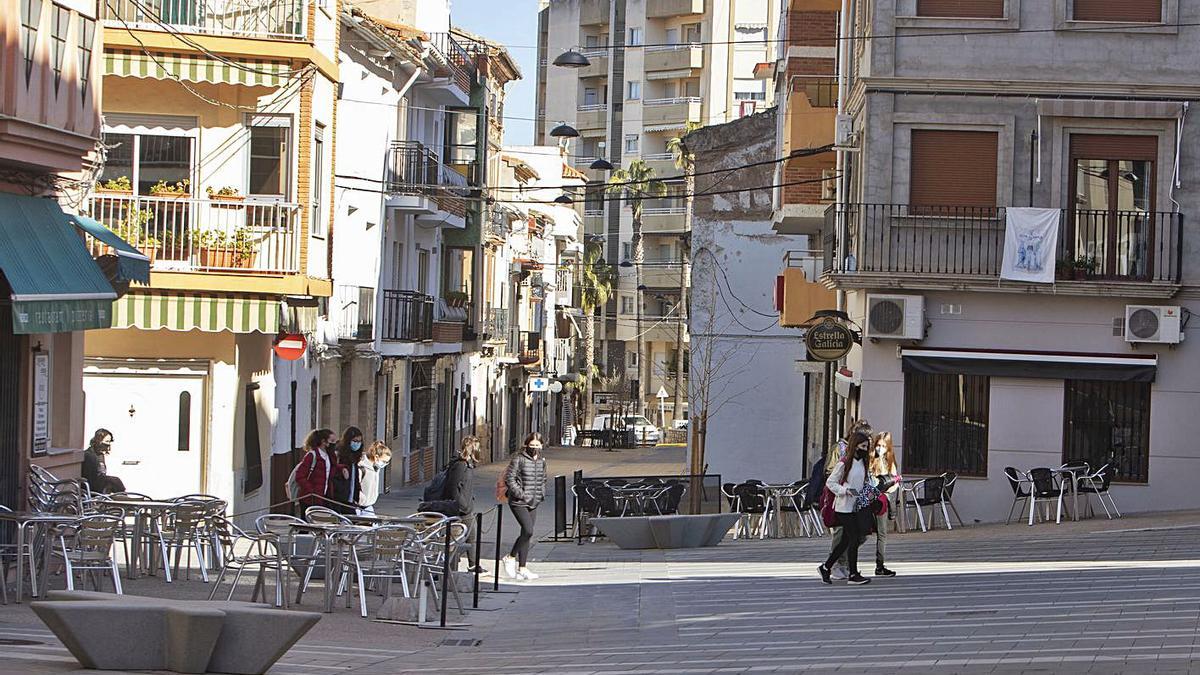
(445, 573)
(499, 525)
(478, 550)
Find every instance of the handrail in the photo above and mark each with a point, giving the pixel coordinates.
(671, 101)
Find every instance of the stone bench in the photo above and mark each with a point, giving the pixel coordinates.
(124, 632)
(667, 531)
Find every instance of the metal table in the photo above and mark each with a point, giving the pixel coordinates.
(143, 511)
(330, 536)
(23, 520)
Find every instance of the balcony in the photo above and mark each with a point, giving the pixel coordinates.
(407, 316)
(417, 181)
(930, 246)
(497, 227)
(495, 325)
(663, 9)
(674, 57)
(187, 234)
(355, 308)
(803, 295)
(664, 216)
(271, 19)
(592, 12)
(664, 274)
(663, 163)
(591, 117)
(528, 348)
(598, 66)
(459, 66)
(671, 110)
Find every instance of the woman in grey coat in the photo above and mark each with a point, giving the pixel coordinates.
(525, 482)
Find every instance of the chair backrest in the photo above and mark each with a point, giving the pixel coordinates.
(1014, 479)
(948, 489)
(606, 502)
(933, 489)
(95, 533)
(276, 523)
(131, 497)
(750, 497)
(1078, 465)
(584, 498)
(673, 497)
(1043, 480)
(325, 515)
(197, 498)
(1107, 473)
(186, 516)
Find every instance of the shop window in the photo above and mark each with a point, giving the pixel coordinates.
(945, 424)
(1108, 422)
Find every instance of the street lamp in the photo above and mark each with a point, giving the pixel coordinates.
(601, 164)
(564, 130)
(563, 199)
(572, 59)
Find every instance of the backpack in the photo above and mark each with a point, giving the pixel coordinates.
(293, 485)
(436, 490)
(828, 515)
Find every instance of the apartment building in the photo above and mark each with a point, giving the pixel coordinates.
(51, 289)
(218, 155)
(1071, 145)
(655, 67)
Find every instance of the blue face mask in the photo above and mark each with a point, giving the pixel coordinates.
(356, 445)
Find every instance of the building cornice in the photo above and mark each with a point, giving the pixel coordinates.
(1030, 88)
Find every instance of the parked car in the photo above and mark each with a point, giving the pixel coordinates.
(645, 433)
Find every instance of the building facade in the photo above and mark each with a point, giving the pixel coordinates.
(952, 139)
(657, 68)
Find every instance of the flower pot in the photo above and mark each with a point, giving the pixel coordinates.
(149, 251)
(170, 195)
(227, 201)
(107, 192)
(226, 257)
(1079, 274)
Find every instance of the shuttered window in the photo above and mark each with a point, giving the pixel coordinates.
(1130, 11)
(1114, 146)
(1108, 422)
(946, 424)
(953, 168)
(963, 9)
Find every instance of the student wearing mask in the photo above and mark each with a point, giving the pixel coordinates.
(314, 475)
(525, 482)
(370, 476)
(345, 482)
(847, 482)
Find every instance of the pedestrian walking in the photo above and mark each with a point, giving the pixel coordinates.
(833, 458)
(886, 475)
(316, 468)
(458, 498)
(346, 485)
(95, 469)
(848, 482)
(370, 467)
(525, 484)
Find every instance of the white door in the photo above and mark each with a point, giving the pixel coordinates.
(156, 422)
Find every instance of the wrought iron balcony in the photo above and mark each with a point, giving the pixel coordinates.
(355, 309)
(407, 316)
(274, 19)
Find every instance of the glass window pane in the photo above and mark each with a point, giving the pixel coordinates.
(119, 161)
(163, 158)
(268, 160)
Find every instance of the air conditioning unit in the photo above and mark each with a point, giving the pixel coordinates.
(843, 130)
(896, 317)
(1153, 323)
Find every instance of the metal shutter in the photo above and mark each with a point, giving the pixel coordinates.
(1114, 146)
(972, 9)
(1134, 11)
(953, 168)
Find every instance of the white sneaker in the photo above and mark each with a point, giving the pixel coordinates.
(839, 572)
(510, 566)
(525, 575)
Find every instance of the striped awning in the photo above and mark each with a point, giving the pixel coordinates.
(663, 127)
(209, 313)
(1067, 107)
(195, 68)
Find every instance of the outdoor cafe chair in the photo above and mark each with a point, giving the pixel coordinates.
(1046, 489)
(184, 526)
(86, 545)
(326, 515)
(382, 553)
(242, 551)
(948, 495)
(1018, 481)
(666, 501)
(586, 508)
(926, 492)
(1098, 483)
(752, 502)
(430, 549)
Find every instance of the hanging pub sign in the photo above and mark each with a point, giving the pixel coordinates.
(290, 347)
(828, 340)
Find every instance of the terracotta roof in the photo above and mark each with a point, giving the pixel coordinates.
(571, 172)
(401, 30)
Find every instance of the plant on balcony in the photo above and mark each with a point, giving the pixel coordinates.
(215, 248)
(1084, 266)
(228, 194)
(120, 185)
(178, 189)
(457, 299)
(132, 229)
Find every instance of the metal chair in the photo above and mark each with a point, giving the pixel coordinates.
(1098, 483)
(432, 549)
(1017, 481)
(927, 492)
(240, 551)
(752, 501)
(382, 553)
(1045, 489)
(184, 526)
(86, 545)
(326, 515)
(948, 495)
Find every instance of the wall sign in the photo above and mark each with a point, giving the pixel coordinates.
(828, 340)
(41, 403)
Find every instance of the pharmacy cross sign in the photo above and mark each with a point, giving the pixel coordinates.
(539, 384)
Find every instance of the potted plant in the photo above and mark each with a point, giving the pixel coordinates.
(1083, 267)
(132, 229)
(178, 190)
(225, 196)
(457, 299)
(120, 185)
(217, 249)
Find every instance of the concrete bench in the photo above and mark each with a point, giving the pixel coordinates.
(124, 632)
(667, 531)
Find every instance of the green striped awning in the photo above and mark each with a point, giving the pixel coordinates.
(195, 68)
(209, 313)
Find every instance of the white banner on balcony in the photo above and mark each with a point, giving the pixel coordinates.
(1030, 242)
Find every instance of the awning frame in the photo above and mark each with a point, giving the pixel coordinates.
(1030, 364)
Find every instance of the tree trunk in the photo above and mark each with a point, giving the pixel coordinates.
(589, 365)
(681, 326)
(639, 257)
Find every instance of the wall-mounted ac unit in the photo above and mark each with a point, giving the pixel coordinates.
(896, 317)
(1158, 324)
(843, 130)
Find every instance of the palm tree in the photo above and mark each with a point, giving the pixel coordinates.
(596, 280)
(635, 184)
(684, 161)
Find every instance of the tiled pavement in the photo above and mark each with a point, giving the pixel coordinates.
(1099, 596)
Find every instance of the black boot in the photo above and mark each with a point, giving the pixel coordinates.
(881, 571)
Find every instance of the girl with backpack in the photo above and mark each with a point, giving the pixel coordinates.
(316, 469)
(525, 489)
(848, 482)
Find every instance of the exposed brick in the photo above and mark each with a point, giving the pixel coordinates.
(807, 192)
(810, 66)
(812, 29)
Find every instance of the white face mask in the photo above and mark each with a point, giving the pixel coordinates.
(881, 450)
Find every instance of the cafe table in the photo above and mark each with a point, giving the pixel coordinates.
(144, 511)
(27, 520)
(331, 537)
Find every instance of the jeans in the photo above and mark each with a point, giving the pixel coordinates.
(851, 539)
(469, 520)
(525, 518)
(881, 528)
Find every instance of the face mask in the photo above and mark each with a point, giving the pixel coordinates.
(356, 445)
(380, 465)
(860, 453)
(880, 450)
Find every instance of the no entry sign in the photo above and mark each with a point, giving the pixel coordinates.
(290, 347)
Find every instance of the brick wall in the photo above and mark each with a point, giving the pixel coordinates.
(807, 193)
(812, 29)
(810, 66)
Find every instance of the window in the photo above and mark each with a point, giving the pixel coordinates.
(87, 32)
(422, 270)
(962, 9)
(631, 144)
(420, 405)
(953, 169)
(185, 421)
(1113, 178)
(635, 36)
(461, 136)
(691, 88)
(396, 411)
(31, 16)
(253, 478)
(312, 404)
(672, 36)
(691, 33)
(945, 424)
(1127, 11)
(591, 96)
(147, 158)
(270, 154)
(635, 90)
(627, 305)
(1107, 422)
(318, 186)
(749, 90)
(626, 250)
(58, 40)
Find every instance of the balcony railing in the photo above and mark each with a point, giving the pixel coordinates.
(671, 101)
(1137, 246)
(186, 234)
(355, 309)
(462, 66)
(496, 324)
(276, 19)
(412, 169)
(407, 316)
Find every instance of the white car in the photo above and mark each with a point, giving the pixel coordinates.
(644, 431)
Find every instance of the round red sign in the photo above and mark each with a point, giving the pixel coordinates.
(290, 347)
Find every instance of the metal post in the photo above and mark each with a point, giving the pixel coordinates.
(499, 525)
(445, 574)
(478, 550)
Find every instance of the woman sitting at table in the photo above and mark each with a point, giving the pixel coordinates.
(318, 465)
(887, 477)
(94, 469)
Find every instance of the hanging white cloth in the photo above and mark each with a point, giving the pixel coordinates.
(1030, 243)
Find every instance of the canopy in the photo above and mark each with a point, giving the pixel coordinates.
(56, 285)
(1031, 364)
(209, 313)
(132, 264)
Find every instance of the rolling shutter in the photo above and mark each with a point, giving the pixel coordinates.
(965, 9)
(1131, 11)
(953, 168)
(1116, 147)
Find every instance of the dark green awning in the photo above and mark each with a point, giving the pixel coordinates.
(56, 285)
(132, 264)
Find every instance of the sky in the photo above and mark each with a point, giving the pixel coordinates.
(510, 22)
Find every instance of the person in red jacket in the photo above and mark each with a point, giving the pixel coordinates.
(317, 468)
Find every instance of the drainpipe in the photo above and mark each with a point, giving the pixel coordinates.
(840, 187)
